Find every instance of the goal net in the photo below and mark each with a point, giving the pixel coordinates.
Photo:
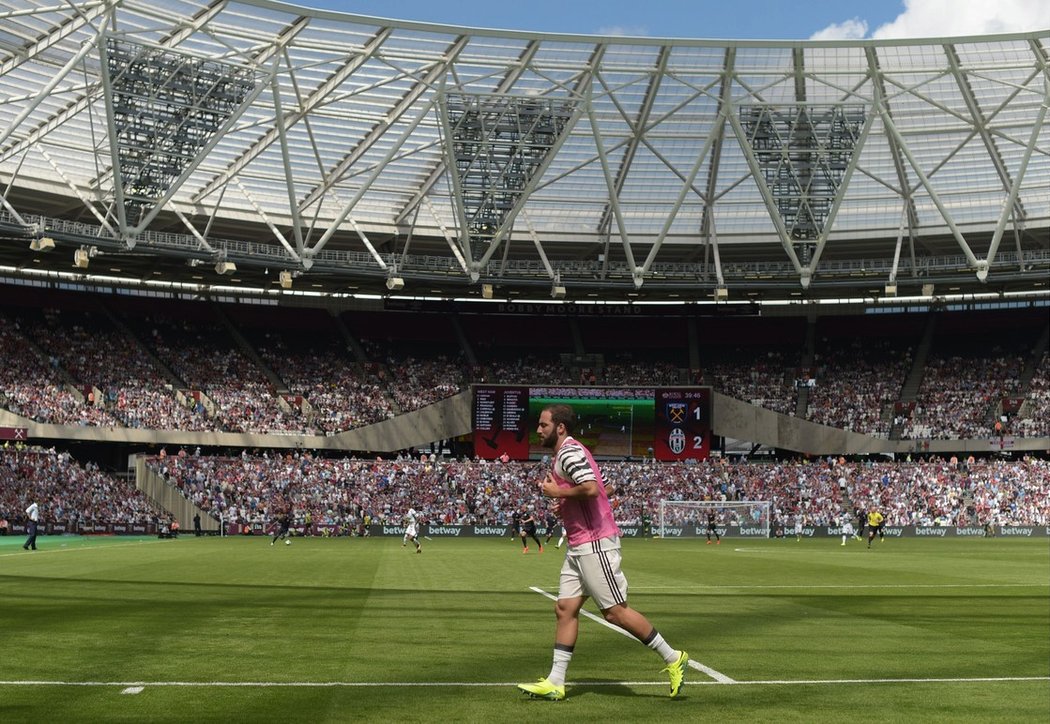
(736, 518)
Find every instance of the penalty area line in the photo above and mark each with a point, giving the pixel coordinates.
(716, 675)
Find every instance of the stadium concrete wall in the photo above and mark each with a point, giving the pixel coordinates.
(154, 487)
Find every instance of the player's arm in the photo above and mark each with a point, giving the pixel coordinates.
(576, 467)
(586, 489)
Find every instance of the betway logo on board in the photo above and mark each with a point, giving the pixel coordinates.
(744, 530)
(936, 532)
(1025, 532)
(672, 532)
(489, 530)
(393, 530)
(445, 530)
(968, 530)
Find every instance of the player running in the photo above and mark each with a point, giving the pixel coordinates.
(281, 526)
(874, 521)
(412, 530)
(847, 527)
(528, 530)
(551, 521)
(592, 561)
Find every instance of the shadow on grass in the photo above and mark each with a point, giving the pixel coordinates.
(610, 687)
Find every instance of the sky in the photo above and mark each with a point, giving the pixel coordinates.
(721, 19)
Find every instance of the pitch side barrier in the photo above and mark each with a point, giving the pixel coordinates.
(89, 529)
(672, 531)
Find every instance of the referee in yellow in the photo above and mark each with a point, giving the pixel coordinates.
(874, 521)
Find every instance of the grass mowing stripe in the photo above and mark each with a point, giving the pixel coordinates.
(716, 675)
(360, 630)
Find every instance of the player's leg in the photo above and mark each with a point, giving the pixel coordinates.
(605, 582)
(538, 543)
(567, 614)
(524, 542)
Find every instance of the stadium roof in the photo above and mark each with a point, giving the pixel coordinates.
(154, 136)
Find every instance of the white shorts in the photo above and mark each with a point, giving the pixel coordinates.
(597, 575)
(847, 529)
(411, 532)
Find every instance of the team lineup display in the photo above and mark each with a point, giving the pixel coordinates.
(668, 423)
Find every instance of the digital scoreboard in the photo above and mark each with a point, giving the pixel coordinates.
(500, 422)
(683, 423)
(668, 423)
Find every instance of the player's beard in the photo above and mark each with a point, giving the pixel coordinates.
(550, 440)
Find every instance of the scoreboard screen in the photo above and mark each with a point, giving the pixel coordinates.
(668, 423)
(501, 422)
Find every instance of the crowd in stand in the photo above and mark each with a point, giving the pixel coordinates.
(78, 368)
(854, 383)
(133, 391)
(31, 386)
(764, 380)
(959, 393)
(417, 383)
(343, 395)
(344, 492)
(68, 492)
(1034, 417)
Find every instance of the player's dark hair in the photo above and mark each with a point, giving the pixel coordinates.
(562, 414)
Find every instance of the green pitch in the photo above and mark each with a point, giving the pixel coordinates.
(357, 630)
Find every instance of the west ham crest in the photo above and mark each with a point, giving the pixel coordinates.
(676, 412)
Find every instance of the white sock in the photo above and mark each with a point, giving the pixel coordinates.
(844, 539)
(562, 657)
(656, 643)
(560, 541)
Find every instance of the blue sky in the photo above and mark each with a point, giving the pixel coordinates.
(743, 19)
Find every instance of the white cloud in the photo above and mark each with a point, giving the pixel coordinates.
(938, 18)
(624, 31)
(943, 18)
(853, 29)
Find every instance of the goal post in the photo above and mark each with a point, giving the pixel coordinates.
(733, 518)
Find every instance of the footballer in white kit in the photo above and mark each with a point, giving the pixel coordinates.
(847, 527)
(411, 530)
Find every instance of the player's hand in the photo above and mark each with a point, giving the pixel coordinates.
(548, 488)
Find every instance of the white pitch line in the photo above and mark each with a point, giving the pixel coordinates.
(716, 675)
(46, 551)
(489, 684)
